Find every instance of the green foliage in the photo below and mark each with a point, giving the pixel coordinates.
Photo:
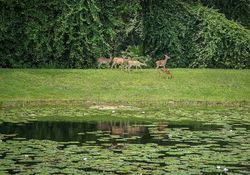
(235, 10)
(78, 35)
(122, 20)
(165, 30)
(73, 33)
(218, 42)
(195, 36)
(135, 53)
(64, 34)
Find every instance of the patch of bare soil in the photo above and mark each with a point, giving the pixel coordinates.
(112, 107)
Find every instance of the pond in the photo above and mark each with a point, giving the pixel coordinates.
(92, 131)
(60, 141)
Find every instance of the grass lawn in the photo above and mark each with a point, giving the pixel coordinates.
(210, 85)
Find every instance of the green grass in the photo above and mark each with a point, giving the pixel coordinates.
(210, 85)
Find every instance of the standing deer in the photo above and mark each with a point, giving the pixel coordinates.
(162, 63)
(103, 60)
(118, 61)
(136, 64)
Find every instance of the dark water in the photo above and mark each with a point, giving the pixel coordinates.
(88, 131)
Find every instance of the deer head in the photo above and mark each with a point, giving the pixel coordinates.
(166, 57)
(144, 64)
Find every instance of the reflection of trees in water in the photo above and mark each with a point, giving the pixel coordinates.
(68, 131)
(63, 131)
(121, 128)
(161, 126)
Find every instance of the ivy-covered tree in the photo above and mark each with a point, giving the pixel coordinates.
(67, 33)
(74, 33)
(234, 10)
(194, 36)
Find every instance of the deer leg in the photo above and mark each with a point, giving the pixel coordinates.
(163, 72)
(160, 72)
(99, 65)
(170, 75)
(129, 67)
(114, 65)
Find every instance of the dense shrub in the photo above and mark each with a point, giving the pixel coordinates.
(73, 33)
(234, 10)
(219, 42)
(195, 36)
(64, 34)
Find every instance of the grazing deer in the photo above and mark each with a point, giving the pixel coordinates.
(103, 60)
(166, 71)
(162, 63)
(118, 61)
(136, 64)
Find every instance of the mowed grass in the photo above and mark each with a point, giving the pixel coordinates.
(107, 85)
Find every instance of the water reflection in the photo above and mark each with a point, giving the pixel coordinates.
(123, 128)
(140, 132)
(69, 131)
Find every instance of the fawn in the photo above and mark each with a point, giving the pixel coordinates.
(166, 71)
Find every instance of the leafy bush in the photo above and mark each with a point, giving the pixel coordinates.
(234, 10)
(219, 42)
(64, 34)
(195, 36)
(135, 53)
(72, 34)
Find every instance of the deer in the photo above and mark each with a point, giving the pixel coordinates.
(135, 64)
(103, 60)
(162, 63)
(118, 61)
(166, 71)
